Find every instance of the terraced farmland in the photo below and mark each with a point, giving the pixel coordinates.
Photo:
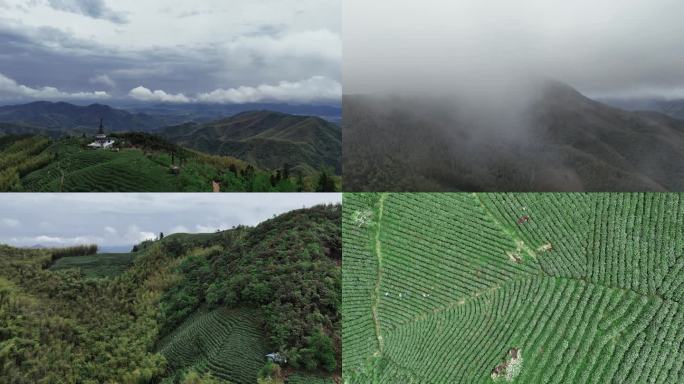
(229, 344)
(93, 171)
(299, 378)
(527, 288)
(99, 265)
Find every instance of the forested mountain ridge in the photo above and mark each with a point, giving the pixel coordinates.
(548, 138)
(267, 139)
(65, 116)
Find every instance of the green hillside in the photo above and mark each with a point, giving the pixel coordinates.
(98, 265)
(520, 288)
(138, 163)
(189, 309)
(267, 139)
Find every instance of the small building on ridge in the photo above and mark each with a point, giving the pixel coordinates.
(101, 139)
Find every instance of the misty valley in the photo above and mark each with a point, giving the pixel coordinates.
(540, 135)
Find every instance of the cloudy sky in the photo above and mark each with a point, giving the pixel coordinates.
(175, 51)
(120, 219)
(602, 47)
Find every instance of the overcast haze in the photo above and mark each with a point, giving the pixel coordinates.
(604, 48)
(122, 219)
(174, 51)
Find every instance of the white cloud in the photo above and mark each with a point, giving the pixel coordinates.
(142, 236)
(11, 89)
(135, 235)
(314, 89)
(179, 229)
(104, 80)
(143, 94)
(60, 241)
(200, 228)
(317, 88)
(12, 223)
(111, 231)
(48, 239)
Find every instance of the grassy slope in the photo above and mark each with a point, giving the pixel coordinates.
(99, 265)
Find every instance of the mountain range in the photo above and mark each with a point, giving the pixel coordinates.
(65, 117)
(266, 139)
(673, 108)
(556, 140)
(58, 117)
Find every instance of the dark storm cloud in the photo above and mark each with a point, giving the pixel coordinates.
(96, 9)
(125, 219)
(213, 52)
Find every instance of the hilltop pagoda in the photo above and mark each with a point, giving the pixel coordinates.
(101, 139)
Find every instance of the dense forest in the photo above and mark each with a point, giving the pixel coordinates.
(203, 308)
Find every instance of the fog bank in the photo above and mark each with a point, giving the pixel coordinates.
(609, 48)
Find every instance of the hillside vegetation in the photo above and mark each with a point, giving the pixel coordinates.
(267, 139)
(186, 309)
(520, 288)
(139, 163)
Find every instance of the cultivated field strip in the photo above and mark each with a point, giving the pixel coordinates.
(580, 288)
(226, 343)
(359, 277)
(98, 265)
(559, 220)
(95, 171)
(298, 378)
(637, 240)
(433, 268)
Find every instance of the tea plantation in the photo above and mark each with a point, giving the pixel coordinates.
(138, 163)
(520, 288)
(98, 265)
(228, 344)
